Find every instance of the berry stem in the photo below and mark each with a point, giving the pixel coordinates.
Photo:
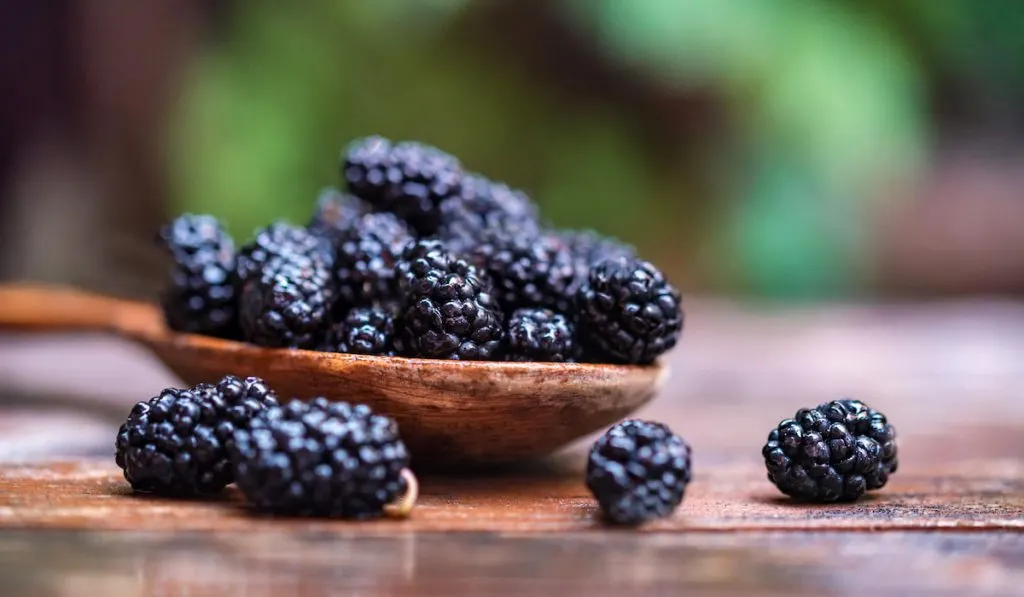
(402, 508)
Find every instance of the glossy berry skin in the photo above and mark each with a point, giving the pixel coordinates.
(527, 271)
(176, 444)
(588, 248)
(335, 212)
(484, 206)
(288, 304)
(627, 312)
(449, 312)
(365, 259)
(408, 178)
(284, 241)
(320, 458)
(638, 471)
(541, 335)
(835, 452)
(201, 296)
(365, 330)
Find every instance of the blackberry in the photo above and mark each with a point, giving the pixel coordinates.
(177, 443)
(449, 312)
(834, 452)
(283, 240)
(541, 335)
(288, 304)
(528, 271)
(638, 470)
(484, 205)
(628, 313)
(588, 248)
(320, 459)
(591, 247)
(365, 330)
(201, 297)
(335, 213)
(366, 257)
(407, 178)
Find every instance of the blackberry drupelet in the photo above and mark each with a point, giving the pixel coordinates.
(320, 459)
(638, 471)
(177, 443)
(484, 205)
(201, 297)
(627, 312)
(365, 260)
(288, 304)
(589, 248)
(365, 330)
(834, 452)
(528, 271)
(541, 335)
(409, 179)
(282, 240)
(449, 312)
(335, 212)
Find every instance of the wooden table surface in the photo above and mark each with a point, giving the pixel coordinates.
(951, 521)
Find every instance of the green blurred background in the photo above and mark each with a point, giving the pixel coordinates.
(784, 149)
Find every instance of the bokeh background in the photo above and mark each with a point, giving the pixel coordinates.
(837, 187)
(796, 150)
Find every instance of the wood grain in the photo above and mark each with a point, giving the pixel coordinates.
(451, 413)
(970, 496)
(949, 522)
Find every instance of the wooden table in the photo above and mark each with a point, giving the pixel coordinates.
(951, 521)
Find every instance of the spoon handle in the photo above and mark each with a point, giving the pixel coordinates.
(31, 307)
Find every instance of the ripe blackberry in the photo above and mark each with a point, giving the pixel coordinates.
(628, 313)
(407, 178)
(541, 335)
(484, 205)
(528, 271)
(288, 304)
(320, 459)
(365, 330)
(201, 297)
(449, 312)
(834, 452)
(335, 212)
(637, 471)
(589, 248)
(177, 443)
(592, 247)
(366, 257)
(285, 240)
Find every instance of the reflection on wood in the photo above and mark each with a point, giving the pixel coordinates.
(92, 495)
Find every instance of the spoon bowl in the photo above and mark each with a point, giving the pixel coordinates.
(450, 413)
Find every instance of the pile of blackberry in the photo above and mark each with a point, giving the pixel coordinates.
(336, 459)
(418, 257)
(316, 458)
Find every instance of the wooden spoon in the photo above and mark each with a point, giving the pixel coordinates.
(450, 413)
